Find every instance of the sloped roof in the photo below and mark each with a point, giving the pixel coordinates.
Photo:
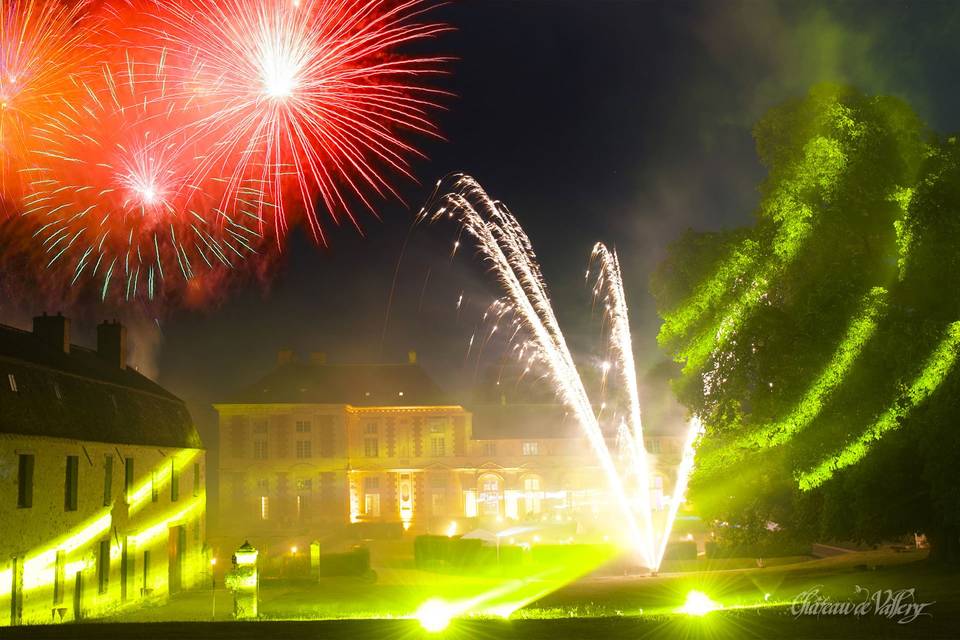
(360, 385)
(514, 421)
(81, 396)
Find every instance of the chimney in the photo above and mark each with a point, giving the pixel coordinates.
(112, 343)
(53, 331)
(284, 356)
(318, 357)
(412, 357)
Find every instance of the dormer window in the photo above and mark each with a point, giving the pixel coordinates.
(12, 379)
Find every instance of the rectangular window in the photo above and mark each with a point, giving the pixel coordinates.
(128, 478)
(12, 380)
(154, 487)
(103, 566)
(489, 448)
(263, 485)
(653, 446)
(371, 447)
(370, 428)
(438, 503)
(303, 426)
(371, 505)
(371, 484)
(146, 573)
(304, 449)
(438, 446)
(25, 480)
(59, 576)
(531, 448)
(107, 481)
(70, 483)
(260, 449)
(305, 484)
(196, 479)
(264, 508)
(174, 482)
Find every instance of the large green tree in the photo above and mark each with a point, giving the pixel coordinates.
(817, 345)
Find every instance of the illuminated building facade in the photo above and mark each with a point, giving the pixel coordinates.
(103, 480)
(313, 447)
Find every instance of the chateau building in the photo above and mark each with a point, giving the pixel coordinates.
(102, 474)
(313, 447)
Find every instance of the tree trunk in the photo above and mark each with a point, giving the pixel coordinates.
(944, 545)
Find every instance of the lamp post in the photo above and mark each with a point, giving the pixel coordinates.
(244, 581)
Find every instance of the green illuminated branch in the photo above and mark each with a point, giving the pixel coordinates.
(823, 163)
(708, 294)
(934, 371)
(858, 334)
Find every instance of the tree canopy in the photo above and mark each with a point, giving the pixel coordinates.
(818, 345)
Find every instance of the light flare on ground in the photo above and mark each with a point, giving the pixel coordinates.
(698, 604)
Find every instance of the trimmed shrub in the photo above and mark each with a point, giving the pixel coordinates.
(351, 563)
(375, 530)
(437, 553)
(685, 550)
(769, 547)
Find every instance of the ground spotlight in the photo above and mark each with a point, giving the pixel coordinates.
(434, 615)
(698, 604)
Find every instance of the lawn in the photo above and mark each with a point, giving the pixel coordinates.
(751, 603)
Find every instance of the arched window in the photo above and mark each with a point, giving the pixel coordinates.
(490, 495)
(532, 494)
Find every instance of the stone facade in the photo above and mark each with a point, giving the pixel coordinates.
(111, 518)
(292, 471)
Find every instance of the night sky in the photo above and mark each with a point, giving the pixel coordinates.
(625, 122)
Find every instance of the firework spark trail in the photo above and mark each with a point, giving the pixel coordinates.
(506, 248)
(306, 98)
(41, 43)
(235, 110)
(610, 284)
(109, 195)
(684, 471)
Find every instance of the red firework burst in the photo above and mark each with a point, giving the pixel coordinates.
(41, 43)
(111, 196)
(306, 98)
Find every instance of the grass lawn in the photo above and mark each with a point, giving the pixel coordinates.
(756, 603)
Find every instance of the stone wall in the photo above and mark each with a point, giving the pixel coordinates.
(118, 548)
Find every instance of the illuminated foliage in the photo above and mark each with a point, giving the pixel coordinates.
(861, 329)
(936, 369)
(840, 335)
